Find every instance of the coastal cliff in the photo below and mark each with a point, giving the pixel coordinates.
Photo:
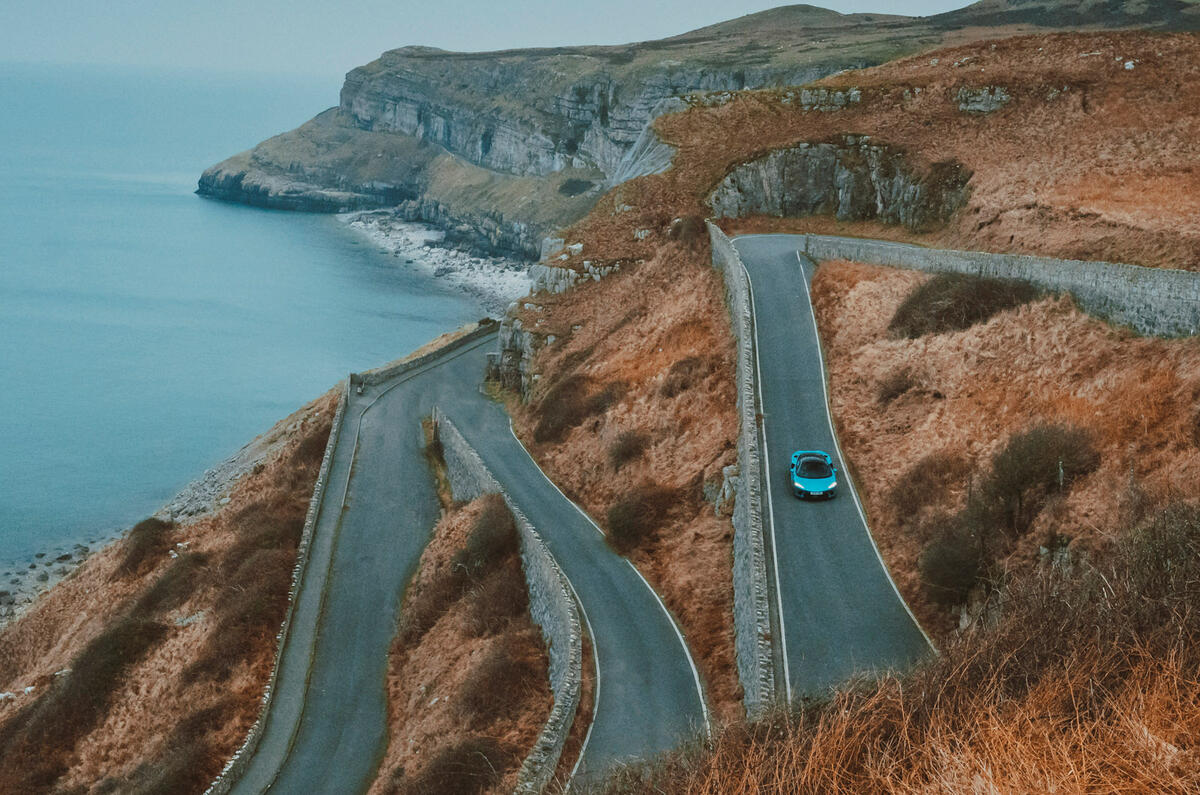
(502, 148)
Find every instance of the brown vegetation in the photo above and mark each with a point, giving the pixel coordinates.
(468, 689)
(1088, 160)
(1085, 681)
(149, 662)
(653, 342)
(1037, 430)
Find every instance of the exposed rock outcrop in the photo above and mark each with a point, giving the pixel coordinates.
(982, 100)
(852, 178)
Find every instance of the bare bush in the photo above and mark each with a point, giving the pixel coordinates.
(955, 301)
(627, 446)
(634, 518)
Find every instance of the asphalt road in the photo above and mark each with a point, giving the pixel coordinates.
(840, 612)
(326, 730)
(649, 697)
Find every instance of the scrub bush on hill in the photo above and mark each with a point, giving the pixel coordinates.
(465, 768)
(146, 542)
(687, 373)
(952, 563)
(571, 401)
(955, 301)
(498, 684)
(489, 563)
(35, 744)
(627, 446)
(1084, 681)
(1029, 467)
(926, 480)
(634, 518)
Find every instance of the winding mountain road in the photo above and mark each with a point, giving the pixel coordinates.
(840, 613)
(326, 729)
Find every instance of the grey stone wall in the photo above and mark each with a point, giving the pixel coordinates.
(550, 602)
(1158, 301)
(751, 592)
(390, 371)
(237, 764)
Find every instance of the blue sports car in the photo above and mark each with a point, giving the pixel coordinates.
(813, 474)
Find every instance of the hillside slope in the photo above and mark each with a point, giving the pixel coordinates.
(502, 148)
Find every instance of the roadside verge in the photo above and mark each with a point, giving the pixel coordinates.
(550, 602)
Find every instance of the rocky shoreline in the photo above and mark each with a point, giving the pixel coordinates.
(23, 581)
(494, 281)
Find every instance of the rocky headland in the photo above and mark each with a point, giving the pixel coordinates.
(501, 149)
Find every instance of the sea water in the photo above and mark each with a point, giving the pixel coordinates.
(147, 333)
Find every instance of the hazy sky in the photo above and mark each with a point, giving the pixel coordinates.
(322, 37)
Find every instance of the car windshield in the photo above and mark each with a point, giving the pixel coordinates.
(813, 468)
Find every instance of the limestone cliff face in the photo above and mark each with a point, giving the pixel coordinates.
(583, 110)
(503, 148)
(852, 178)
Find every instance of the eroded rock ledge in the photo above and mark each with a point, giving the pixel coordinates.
(852, 178)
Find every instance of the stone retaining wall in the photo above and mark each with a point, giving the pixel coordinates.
(751, 591)
(237, 764)
(1157, 301)
(550, 602)
(390, 371)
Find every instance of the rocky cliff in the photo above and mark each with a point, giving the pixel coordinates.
(852, 178)
(502, 148)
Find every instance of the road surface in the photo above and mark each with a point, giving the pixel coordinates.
(841, 613)
(326, 729)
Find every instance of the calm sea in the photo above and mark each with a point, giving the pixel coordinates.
(146, 333)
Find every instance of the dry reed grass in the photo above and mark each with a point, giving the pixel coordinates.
(1087, 679)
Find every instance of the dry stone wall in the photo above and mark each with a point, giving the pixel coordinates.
(550, 602)
(1158, 301)
(236, 766)
(751, 600)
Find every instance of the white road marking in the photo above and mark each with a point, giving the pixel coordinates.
(845, 470)
(787, 671)
(679, 633)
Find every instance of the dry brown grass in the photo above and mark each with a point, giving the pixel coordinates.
(1087, 681)
(1103, 170)
(474, 679)
(1046, 362)
(658, 329)
(152, 728)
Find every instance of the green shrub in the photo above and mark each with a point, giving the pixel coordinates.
(955, 301)
(146, 542)
(1030, 466)
(627, 446)
(951, 564)
(636, 516)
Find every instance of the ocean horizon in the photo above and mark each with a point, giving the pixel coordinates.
(149, 333)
